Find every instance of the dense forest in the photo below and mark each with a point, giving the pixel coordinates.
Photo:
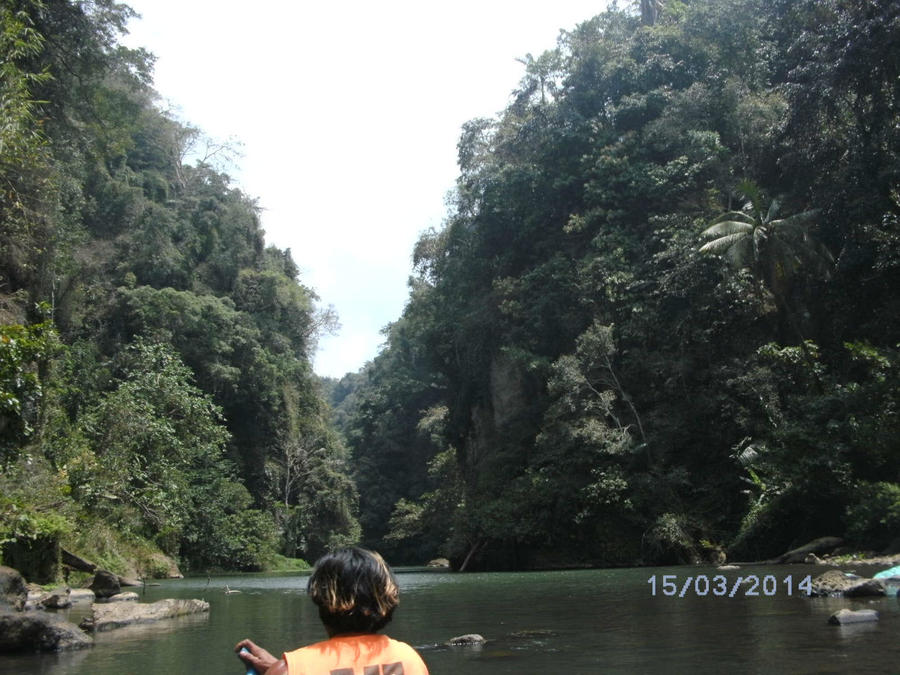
(661, 318)
(659, 321)
(156, 392)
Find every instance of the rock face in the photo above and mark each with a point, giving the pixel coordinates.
(39, 632)
(836, 583)
(105, 584)
(13, 592)
(845, 616)
(118, 614)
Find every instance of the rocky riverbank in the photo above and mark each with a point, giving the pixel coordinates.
(29, 624)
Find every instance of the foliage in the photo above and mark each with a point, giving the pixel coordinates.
(186, 342)
(608, 391)
(875, 519)
(23, 350)
(571, 382)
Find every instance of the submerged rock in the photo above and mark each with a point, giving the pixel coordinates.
(466, 640)
(845, 616)
(117, 614)
(39, 632)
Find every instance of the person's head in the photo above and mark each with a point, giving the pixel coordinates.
(354, 590)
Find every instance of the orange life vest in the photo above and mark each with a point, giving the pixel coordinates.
(356, 655)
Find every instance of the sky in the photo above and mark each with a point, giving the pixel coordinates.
(347, 114)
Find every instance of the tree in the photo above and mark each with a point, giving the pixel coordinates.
(773, 249)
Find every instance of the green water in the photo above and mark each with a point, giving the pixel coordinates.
(593, 621)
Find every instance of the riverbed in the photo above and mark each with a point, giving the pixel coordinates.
(643, 620)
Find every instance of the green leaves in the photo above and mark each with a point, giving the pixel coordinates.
(23, 351)
(774, 249)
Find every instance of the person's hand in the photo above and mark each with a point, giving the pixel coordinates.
(256, 656)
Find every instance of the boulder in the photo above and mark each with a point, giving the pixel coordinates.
(836, 583)
(468, 639)
(866, 588)
(117, 614)
(129, 596)
(105, 584)
(13, 592)
(846, 616)
(58, 599)
(438, 562)
(39, 632)
(81, 595)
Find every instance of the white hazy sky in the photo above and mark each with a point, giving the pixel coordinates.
(349, 114)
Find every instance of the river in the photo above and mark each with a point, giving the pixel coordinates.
(582, 622)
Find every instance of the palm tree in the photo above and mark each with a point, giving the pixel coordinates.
(774, 249)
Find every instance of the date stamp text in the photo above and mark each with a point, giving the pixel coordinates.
(752, 585)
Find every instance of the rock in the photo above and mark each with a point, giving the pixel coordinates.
(58, 599)
(715, 555)
(836, 583)
(81, 595)
(866, 588)
(117, 614)
(129, 596)
(813, 559)
(13, 591)
(468, 639)
(33, 600)
(162, 566)
(39, 631)
(728, 567)
(105, 584)
(820, 545)
(845, 616)
(438, 562)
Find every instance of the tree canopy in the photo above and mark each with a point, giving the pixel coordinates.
(662, 289)
(156, 354)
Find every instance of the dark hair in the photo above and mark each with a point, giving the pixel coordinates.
(354, 590)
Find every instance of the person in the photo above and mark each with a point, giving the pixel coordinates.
(356, 594)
